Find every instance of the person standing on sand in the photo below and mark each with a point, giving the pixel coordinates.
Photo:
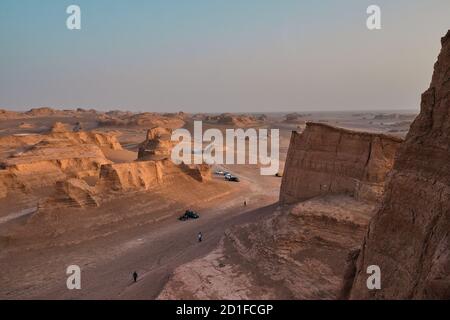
(200, 237)
(245, 203)
(135, 276)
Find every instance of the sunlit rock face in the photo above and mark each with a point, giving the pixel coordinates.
(328, 160)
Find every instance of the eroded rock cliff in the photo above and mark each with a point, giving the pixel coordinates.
(328, 160)
(157, 145)
(409, 237)
(31, 162)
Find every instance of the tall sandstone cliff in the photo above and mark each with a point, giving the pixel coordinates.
(409, 237)
(328, 160)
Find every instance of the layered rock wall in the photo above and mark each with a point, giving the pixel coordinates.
(328, 160)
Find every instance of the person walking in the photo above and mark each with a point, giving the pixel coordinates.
(135, 276)
(200, 237)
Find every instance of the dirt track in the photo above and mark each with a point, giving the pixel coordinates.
(153, 250)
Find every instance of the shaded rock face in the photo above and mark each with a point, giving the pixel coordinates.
(200, 172)
(75, 193)
(157, 146)
(409, 237)
(329, 160)
(299, 252)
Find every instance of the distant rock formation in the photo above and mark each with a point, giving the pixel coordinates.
(329, 160)
(7, 115)
(157, 145)
(59, 127)
(235, 120)
(409, 237)
(295, 118)
(42, 112)
(147, 119)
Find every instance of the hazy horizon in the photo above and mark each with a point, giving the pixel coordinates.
(219, 56)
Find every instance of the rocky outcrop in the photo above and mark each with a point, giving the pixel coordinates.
(328, 160)
(47, 163)
(146, 119)
(409, 237)
(295, 118)
(72, 193)
(157, 145)
(229, 119)
(42, 112)
(298, 253)
(43, 160)
(59, 127)
(200, 172)
(145, 175)
(101, 139)
(141, 175)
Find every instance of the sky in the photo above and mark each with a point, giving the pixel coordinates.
(219, 55)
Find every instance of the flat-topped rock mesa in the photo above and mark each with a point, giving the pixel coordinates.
(157, 145)
(42, 160)
(409, 237)
(146, 119)
(240, 120)
(145, 175)
(7, 115)
(329, 160)
(295, 118)
(101, 139)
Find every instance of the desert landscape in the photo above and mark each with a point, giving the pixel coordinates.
(100, 190)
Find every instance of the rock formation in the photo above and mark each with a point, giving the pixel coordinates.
(59, 127)
(75, 193)
(141, 175)
(409, 237)
(298, 253)
(329, 160)
(295, 118)
(145, 175)
(42, 160)
(200, 172)
(234, 120)
(157, 145)
(147, 119)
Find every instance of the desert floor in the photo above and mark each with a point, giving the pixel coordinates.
(138, 232)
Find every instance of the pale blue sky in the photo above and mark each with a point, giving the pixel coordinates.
(211, 55)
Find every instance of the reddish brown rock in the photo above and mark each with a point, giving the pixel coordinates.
(329, 160)
(409, 237)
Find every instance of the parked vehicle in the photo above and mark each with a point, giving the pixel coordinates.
(189, 214)
(231, 178)
(220, 172)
